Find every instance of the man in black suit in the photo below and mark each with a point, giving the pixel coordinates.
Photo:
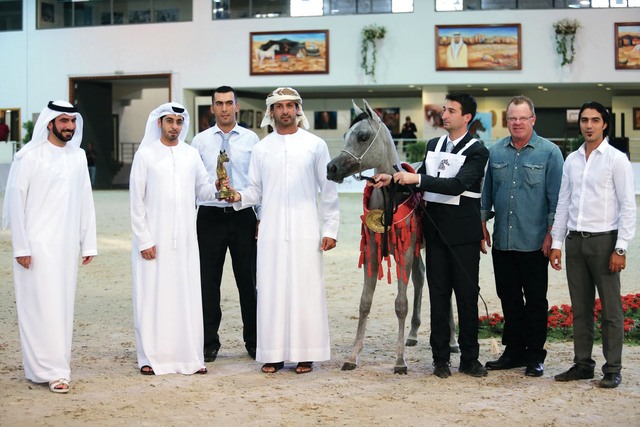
(451, 177)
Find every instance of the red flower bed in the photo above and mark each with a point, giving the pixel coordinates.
(560, 320)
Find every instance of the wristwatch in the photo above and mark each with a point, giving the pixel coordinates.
(621, 252)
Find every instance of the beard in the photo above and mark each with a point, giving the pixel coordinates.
(62, 137)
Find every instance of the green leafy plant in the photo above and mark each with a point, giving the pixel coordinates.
(566, 30)
(28, 127)
(415, 152)
(370, 34)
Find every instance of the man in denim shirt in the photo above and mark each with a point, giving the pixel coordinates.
(521, 185)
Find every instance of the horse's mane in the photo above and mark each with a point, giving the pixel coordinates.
(360, 117)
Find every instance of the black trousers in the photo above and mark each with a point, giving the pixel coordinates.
(220, 229)
(521, 283)
(456, 271)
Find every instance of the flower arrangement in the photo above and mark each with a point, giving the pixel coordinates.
(370, 34)
(560, 321)
(566, 30)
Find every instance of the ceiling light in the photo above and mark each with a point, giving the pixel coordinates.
(485, 89)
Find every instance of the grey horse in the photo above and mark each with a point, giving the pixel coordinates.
(369, 145)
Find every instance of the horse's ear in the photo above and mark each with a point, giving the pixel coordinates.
(357, 109)
(371, 112)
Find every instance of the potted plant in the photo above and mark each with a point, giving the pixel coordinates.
(566, 30)
(370, 34)
(28, 127)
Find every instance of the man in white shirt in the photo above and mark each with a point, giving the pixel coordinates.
(596, 206)
(220, 227)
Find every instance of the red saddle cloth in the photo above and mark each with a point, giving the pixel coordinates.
(406, 221)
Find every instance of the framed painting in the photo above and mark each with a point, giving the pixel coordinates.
(289, 52)
(204, 118)
(391, 118)
(478, 47)
(325, 120)
(246, 118)
(627, 45)
(636, 119)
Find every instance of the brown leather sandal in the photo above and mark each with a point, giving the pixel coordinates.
(304, 367)
(272, 368)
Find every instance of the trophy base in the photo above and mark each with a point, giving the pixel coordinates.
(225, 193)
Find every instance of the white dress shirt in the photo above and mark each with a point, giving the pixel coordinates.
(596, 195)
(240, 145)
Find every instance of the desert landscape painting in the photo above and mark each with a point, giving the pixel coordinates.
(628, 45)
(490, 47)
(296, 52)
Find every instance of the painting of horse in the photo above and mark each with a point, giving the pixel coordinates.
(369, 145)
(269, 53)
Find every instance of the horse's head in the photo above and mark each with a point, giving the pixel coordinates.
(223, 157)
(477, 126)
(368, 145)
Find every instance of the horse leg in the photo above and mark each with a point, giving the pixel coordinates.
(366, 299)
(417, 277)
(402, 307)
(453, 342)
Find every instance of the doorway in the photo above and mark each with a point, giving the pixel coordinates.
(105, 103)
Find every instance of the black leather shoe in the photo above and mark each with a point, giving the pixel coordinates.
(441, 369)
(611, 380)
(210, 353)
(575, 373)
(534, 369)
(506, 361)
(251, 349)
(474, 368)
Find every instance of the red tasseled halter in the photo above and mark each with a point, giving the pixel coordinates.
(399, 235)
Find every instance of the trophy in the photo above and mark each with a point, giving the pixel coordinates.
(221, 171)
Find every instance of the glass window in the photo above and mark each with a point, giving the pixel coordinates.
(73, 13)
(306, 7)
(225, 9)
(11, 15)
(452, 5)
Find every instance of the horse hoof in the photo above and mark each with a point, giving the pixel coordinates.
(411, 342)
(401, 370)
(348, 366)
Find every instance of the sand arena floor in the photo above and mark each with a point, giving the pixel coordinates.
(107, 388)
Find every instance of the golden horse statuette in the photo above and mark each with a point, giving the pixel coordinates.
(221, 171)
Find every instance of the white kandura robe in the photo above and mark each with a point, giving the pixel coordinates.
(167, 297)
(53, 221)
(285, 175)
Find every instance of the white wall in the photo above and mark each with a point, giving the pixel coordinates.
(205, 53)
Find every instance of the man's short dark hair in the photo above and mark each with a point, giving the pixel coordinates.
(466, 101)
(224, 89)
(600, 109)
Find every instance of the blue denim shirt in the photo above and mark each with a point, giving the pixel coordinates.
(522, 188)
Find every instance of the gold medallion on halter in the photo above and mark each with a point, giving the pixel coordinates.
(375, 220)
(221, 171)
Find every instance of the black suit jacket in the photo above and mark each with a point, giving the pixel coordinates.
(458, 224)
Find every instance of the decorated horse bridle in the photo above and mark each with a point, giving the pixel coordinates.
(360, 177)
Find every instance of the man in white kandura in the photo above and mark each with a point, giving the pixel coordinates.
(49, 206)
(166, 177)
(288, 168)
